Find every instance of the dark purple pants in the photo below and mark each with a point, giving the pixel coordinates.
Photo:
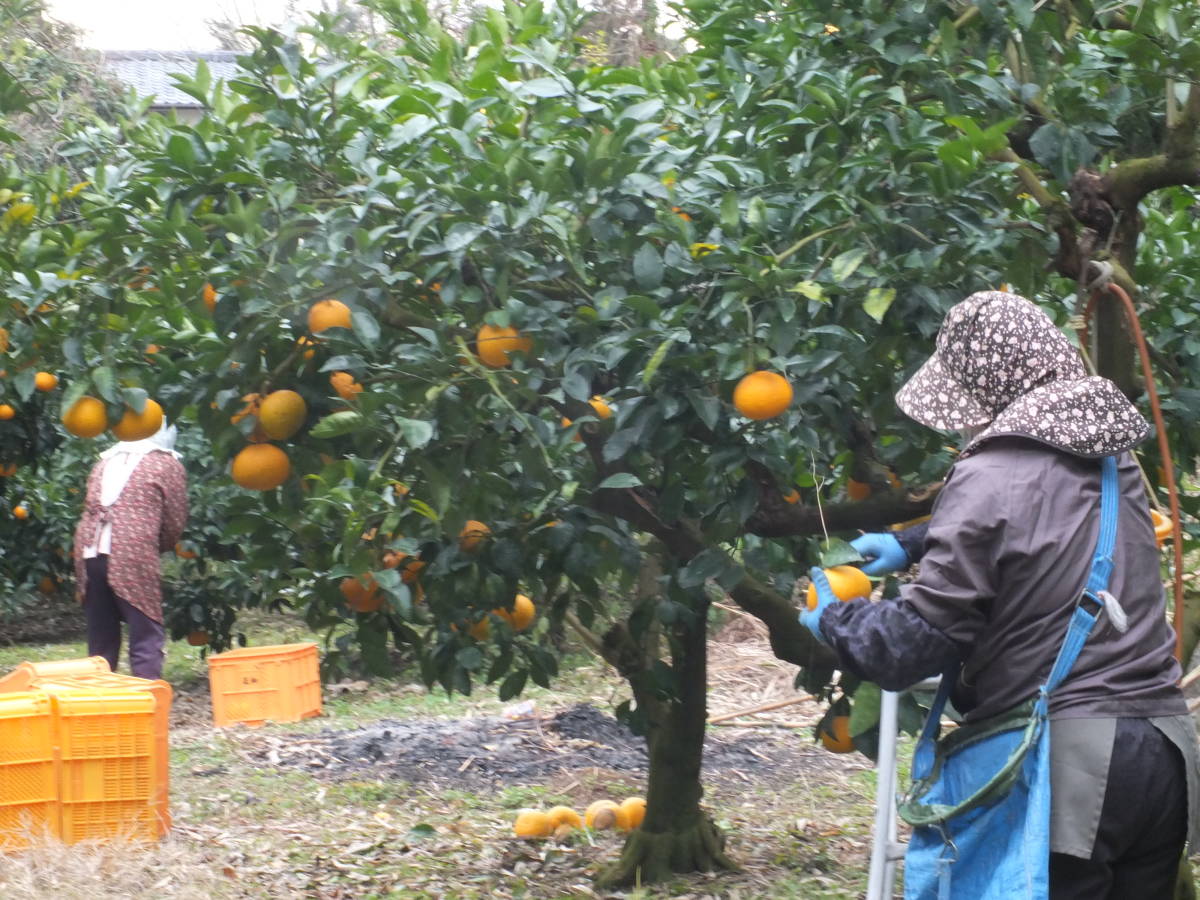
(1143, 824)
(105, 613)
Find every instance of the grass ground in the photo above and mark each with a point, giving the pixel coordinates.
(249, 825)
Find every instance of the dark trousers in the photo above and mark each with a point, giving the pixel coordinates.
(1143, 824)
(105, 613)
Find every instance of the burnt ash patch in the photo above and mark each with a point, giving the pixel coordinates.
(477, 752)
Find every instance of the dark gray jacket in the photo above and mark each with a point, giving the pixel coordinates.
(1007, 553)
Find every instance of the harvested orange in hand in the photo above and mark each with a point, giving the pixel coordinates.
(847, 582)
(136, 426)
(493, 344)
(281, 414)
(762, 395)
(533, 824)
(328, 314)
(45, 381)
(857, 490)
(260, 467)
(836, 735)
(473, 534)
(86, 418)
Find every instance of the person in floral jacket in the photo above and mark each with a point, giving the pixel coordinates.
(135, 509)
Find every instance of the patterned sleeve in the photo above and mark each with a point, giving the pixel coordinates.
(175, 505)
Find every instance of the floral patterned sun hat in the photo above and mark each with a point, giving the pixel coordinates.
(1002, 365)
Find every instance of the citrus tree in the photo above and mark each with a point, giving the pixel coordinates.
(474, 320)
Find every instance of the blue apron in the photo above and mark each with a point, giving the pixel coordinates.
(979, 803)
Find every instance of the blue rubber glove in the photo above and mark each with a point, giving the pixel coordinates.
(811, 618)
(883, 552)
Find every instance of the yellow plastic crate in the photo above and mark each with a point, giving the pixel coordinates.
(107, 767)
(253, 685)
(28, 770)
(23, 677)
(162, 694)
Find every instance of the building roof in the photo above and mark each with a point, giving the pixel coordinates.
(148, 72)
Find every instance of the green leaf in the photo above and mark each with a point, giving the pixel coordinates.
(365, 327)
(416, 432)
(864, 713)
(619, 480)
(844, 264)
(836, 552)
(338, 423)
(809, 289)
(877, 302)
(730, 210)
(647, 267)
(106, 383)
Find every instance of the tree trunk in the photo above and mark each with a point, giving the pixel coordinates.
(677, 835)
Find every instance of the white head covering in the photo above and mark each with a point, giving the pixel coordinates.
(122, 458)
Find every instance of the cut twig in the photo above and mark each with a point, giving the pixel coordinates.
(1189, 678)
(778, 704)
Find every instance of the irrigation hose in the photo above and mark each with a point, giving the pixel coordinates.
(1164, 448)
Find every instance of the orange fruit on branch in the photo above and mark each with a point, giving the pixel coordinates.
(260, 467)
(281, 414)
(86, 418)
(183, 553)
(20, 512)
(7, 470)
(835, 735)
(345, 385)
(521, 615)
(857, 490)
(209, 294)
(847, 582)
(45, 381)
(135, 426)
(473, 535)
(328, 314)
(603, 410)
(7, 411)
(362, 594)
(762, 395)
(493, 343)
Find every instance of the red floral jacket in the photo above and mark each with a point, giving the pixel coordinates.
(147, 520)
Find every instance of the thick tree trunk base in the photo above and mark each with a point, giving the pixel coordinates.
(656, 856)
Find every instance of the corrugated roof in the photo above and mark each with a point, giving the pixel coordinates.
(149, 72)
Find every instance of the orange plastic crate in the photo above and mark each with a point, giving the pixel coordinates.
(162, 694)
(253, 685)
(22, 678)
(28, 770)
(106, 745)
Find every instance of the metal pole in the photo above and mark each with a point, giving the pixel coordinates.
(883, 864)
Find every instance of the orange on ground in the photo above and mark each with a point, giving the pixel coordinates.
(564, 815)
(281, 414)
(762, 395)
(45, 381)
(183, 553)
(86, 418)
(836, 736)
(531, 823)
(606, 814)
(138, 426)
(635, 810)
(493, 344)
(521, 615)
(473, 534)
(857, 490)
(210, 297)
(345, 385)
(260, 467)
(847, 583)
(198, 638)
(328, 314)
(6, 411)
(603, 410)
(20, 512)
(362, 595)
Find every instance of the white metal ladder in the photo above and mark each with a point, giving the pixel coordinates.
(886, 850)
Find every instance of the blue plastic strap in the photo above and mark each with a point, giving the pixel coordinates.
(1082, 620)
